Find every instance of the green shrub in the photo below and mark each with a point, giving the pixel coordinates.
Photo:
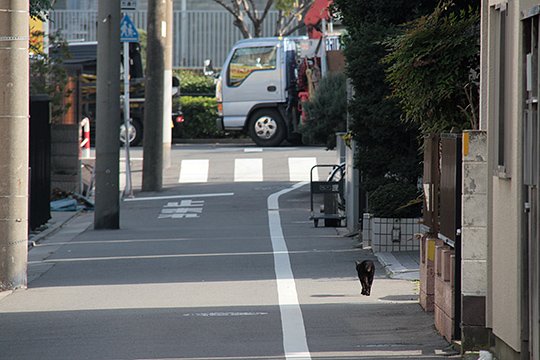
(200, 114)
(395, 200)
(193, 83)
(326, 112)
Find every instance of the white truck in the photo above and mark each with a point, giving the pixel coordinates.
(264, 81)
(257, 90)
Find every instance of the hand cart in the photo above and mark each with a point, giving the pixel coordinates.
(332, 190)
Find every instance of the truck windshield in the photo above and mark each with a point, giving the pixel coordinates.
(247, 60)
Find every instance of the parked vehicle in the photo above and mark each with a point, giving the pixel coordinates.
(84, 56)
(264, 81)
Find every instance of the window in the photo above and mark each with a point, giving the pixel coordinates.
(247, 60)
(498, 94)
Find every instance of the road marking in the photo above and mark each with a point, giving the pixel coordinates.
(179, 256)
(186, 209)
(224, 314)
(292, 321)
(194, 171)
(300, 168)
(248, 170)
(152, 198)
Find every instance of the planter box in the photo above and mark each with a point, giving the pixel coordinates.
(391, 234)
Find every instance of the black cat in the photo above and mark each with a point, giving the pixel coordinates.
(366, 271)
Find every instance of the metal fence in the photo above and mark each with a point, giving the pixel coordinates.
(198, 35)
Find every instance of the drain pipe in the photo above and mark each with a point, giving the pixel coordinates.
(524, 275)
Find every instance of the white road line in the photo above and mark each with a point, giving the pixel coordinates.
(248, 170)
(300, 168)
(292, 321)
(152, 198)
(194, 171)
(179, 256)
(250, 150)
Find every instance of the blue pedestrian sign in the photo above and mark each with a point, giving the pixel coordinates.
(128, 31)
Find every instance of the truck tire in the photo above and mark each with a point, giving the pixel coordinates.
(267, 128)
(135, 132)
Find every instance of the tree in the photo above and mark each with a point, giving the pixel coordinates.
(38, 7)
(387, 148)
(434, 69)
(250, 17)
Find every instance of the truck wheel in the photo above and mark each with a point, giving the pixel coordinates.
(135, 133)
(267, 128)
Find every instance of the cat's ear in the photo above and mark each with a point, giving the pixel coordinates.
(357, 262)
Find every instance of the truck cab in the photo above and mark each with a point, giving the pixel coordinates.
(256, 90)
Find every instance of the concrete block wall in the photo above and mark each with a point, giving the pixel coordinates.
(444, 290)
(474, 241)
(65, 165)
(393, 234)
(427, 273)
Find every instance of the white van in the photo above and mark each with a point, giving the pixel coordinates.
(256, 91)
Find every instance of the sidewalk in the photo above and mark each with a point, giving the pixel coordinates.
(404, 265)
(56, 222)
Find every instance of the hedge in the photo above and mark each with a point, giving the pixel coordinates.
(200, 114)
(193, 83)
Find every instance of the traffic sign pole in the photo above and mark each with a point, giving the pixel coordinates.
(128, 190)
(128, 33)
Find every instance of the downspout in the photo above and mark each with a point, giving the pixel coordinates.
(524, 276)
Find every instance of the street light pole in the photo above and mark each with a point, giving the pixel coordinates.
(153, 109)
(107, 195)
(14, 146)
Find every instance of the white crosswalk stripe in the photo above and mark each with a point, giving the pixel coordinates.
(294, 169)
(248, 170)
(300, 168)
(194, 171)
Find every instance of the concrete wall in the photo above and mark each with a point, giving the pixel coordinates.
(474, 255)
(427, 272)
(65, 165)
(391, 234)
(444, 290)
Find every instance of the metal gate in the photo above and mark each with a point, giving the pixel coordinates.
(442, 202)
(40, 162)
(198, 35)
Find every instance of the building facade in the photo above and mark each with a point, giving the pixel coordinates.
(509, 113)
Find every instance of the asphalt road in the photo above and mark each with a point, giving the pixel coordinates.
(220, 269)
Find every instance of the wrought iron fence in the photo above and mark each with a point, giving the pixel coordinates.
(198, 35)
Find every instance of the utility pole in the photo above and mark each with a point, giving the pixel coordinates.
(153, 106)
(167, 86)
(107, 198)
(14, 147)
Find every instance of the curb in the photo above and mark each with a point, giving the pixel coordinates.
(52, 227)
